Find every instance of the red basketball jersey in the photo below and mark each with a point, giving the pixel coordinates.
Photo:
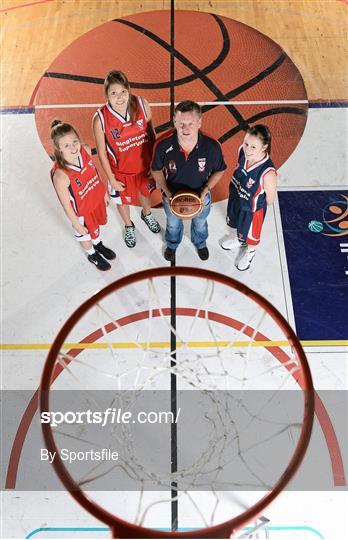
(128, 145)
(86, 188)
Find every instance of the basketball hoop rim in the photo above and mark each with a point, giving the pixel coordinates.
(227, 528)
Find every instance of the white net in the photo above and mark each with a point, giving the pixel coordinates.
(212, 391)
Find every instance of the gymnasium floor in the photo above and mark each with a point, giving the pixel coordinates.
(303, 273)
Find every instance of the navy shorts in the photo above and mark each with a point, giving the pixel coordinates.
(248, 223)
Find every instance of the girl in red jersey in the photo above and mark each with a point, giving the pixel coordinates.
(124, 138)
(80, 191)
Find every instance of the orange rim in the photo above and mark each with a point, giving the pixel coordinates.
(119, 527)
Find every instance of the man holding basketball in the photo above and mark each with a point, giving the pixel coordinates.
(187, 159)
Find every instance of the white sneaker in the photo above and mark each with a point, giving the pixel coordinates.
(244, 259)
(230, 242)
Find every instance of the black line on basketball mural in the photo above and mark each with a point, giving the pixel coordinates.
(157, 85)
(258, 116)
(173, 340)
(233, 93)
(255, 80)
(172, 57)
(173, 402)
(71, 77)
(226, 45)
(200, 75)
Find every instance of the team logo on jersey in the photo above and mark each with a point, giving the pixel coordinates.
(201, 164)
(140, 123)
(78, 182)
(115, 133)
(151, 186)
(169, 149)
(172, 166)
(249, 183)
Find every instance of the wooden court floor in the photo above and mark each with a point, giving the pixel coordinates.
(312, 33)
(34, 33)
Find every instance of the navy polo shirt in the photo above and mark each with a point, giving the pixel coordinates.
(183, 171)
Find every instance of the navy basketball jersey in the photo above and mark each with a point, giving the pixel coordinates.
(248, 182)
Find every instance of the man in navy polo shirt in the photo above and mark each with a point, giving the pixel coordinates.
(187, 159)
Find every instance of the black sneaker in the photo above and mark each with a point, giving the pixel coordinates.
(129, 237)
(203, 253)
(99, 262)
(106, 252)
(169, 254)
(151, 222)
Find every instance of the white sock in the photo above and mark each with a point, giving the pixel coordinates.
(96, 241)
(90, 251)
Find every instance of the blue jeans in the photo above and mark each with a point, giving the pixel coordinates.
(175, 226)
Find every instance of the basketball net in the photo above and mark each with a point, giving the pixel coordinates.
(217, 356)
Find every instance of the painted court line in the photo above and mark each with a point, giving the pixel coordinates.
(167, 104)
(282, 528)
(290, 316)
(166, 344)
(312, 104)
(25, 5)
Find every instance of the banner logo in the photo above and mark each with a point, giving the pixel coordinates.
(334, 220)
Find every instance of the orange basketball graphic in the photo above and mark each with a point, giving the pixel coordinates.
(216, 59)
